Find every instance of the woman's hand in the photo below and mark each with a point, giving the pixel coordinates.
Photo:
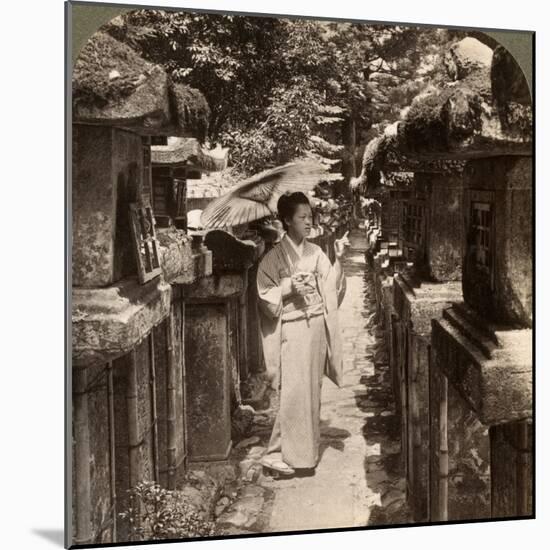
(340, 244)
(303, 283)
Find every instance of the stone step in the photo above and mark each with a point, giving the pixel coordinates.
(461, 323)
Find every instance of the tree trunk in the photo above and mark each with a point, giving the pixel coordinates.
(349, 140)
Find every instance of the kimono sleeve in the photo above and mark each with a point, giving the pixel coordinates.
(333, 281)
(270, 292)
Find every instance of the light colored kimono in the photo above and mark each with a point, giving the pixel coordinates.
(283, 260)
(301, 341)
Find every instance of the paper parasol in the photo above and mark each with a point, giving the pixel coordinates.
(257, 196)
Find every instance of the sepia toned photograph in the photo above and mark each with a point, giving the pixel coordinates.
(300, 270)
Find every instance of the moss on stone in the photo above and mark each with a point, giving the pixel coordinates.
(191, 109)
(181, 151)
(107, 71)
(512, 96)
(111, 82)
(383, 155)
(449, 114)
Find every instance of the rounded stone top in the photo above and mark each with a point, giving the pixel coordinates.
(467, 56)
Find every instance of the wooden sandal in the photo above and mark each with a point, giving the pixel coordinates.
(277, 466)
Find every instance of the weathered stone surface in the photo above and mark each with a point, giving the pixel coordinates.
(502, 291)
(492, 370)
(207, 486)
(391, 497)
(109, 322)
(392, 447)
(378, 477)
(469, 461)
(255, 388)
(511, 92)
(221, 506)
(215, 286)
(107, 176)
(375, 466)
(230, 253)
(254, 472)
(190, 112)
(249, 441)
(97, 429)
(459, 121)
(92, 252)
(381, 358)
(241, 421)
(256, 452)
(418, 305)
(236, 518)
(113, 85)
(245, 465)
(445, 238)
(512, 470)
(243, 512)
(467, 56)
(252, 491)
(221, 473)
(194, 497)
(141, 95)
(468, 483)
(208, 377)
(385, 163)
(181, 264)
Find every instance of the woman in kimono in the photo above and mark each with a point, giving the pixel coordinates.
(299, 294)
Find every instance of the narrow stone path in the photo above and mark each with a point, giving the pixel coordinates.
(359, 479)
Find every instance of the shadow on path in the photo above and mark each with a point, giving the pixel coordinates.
(383, 463)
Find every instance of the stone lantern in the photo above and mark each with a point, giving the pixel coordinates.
(217, 333)
(127, 372)
(480, 360)
(428, 233)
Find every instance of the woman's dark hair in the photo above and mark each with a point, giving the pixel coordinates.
(286, 205)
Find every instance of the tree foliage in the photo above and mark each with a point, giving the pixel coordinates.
(267, 78)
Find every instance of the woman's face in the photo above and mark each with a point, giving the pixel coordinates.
(299, 225)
